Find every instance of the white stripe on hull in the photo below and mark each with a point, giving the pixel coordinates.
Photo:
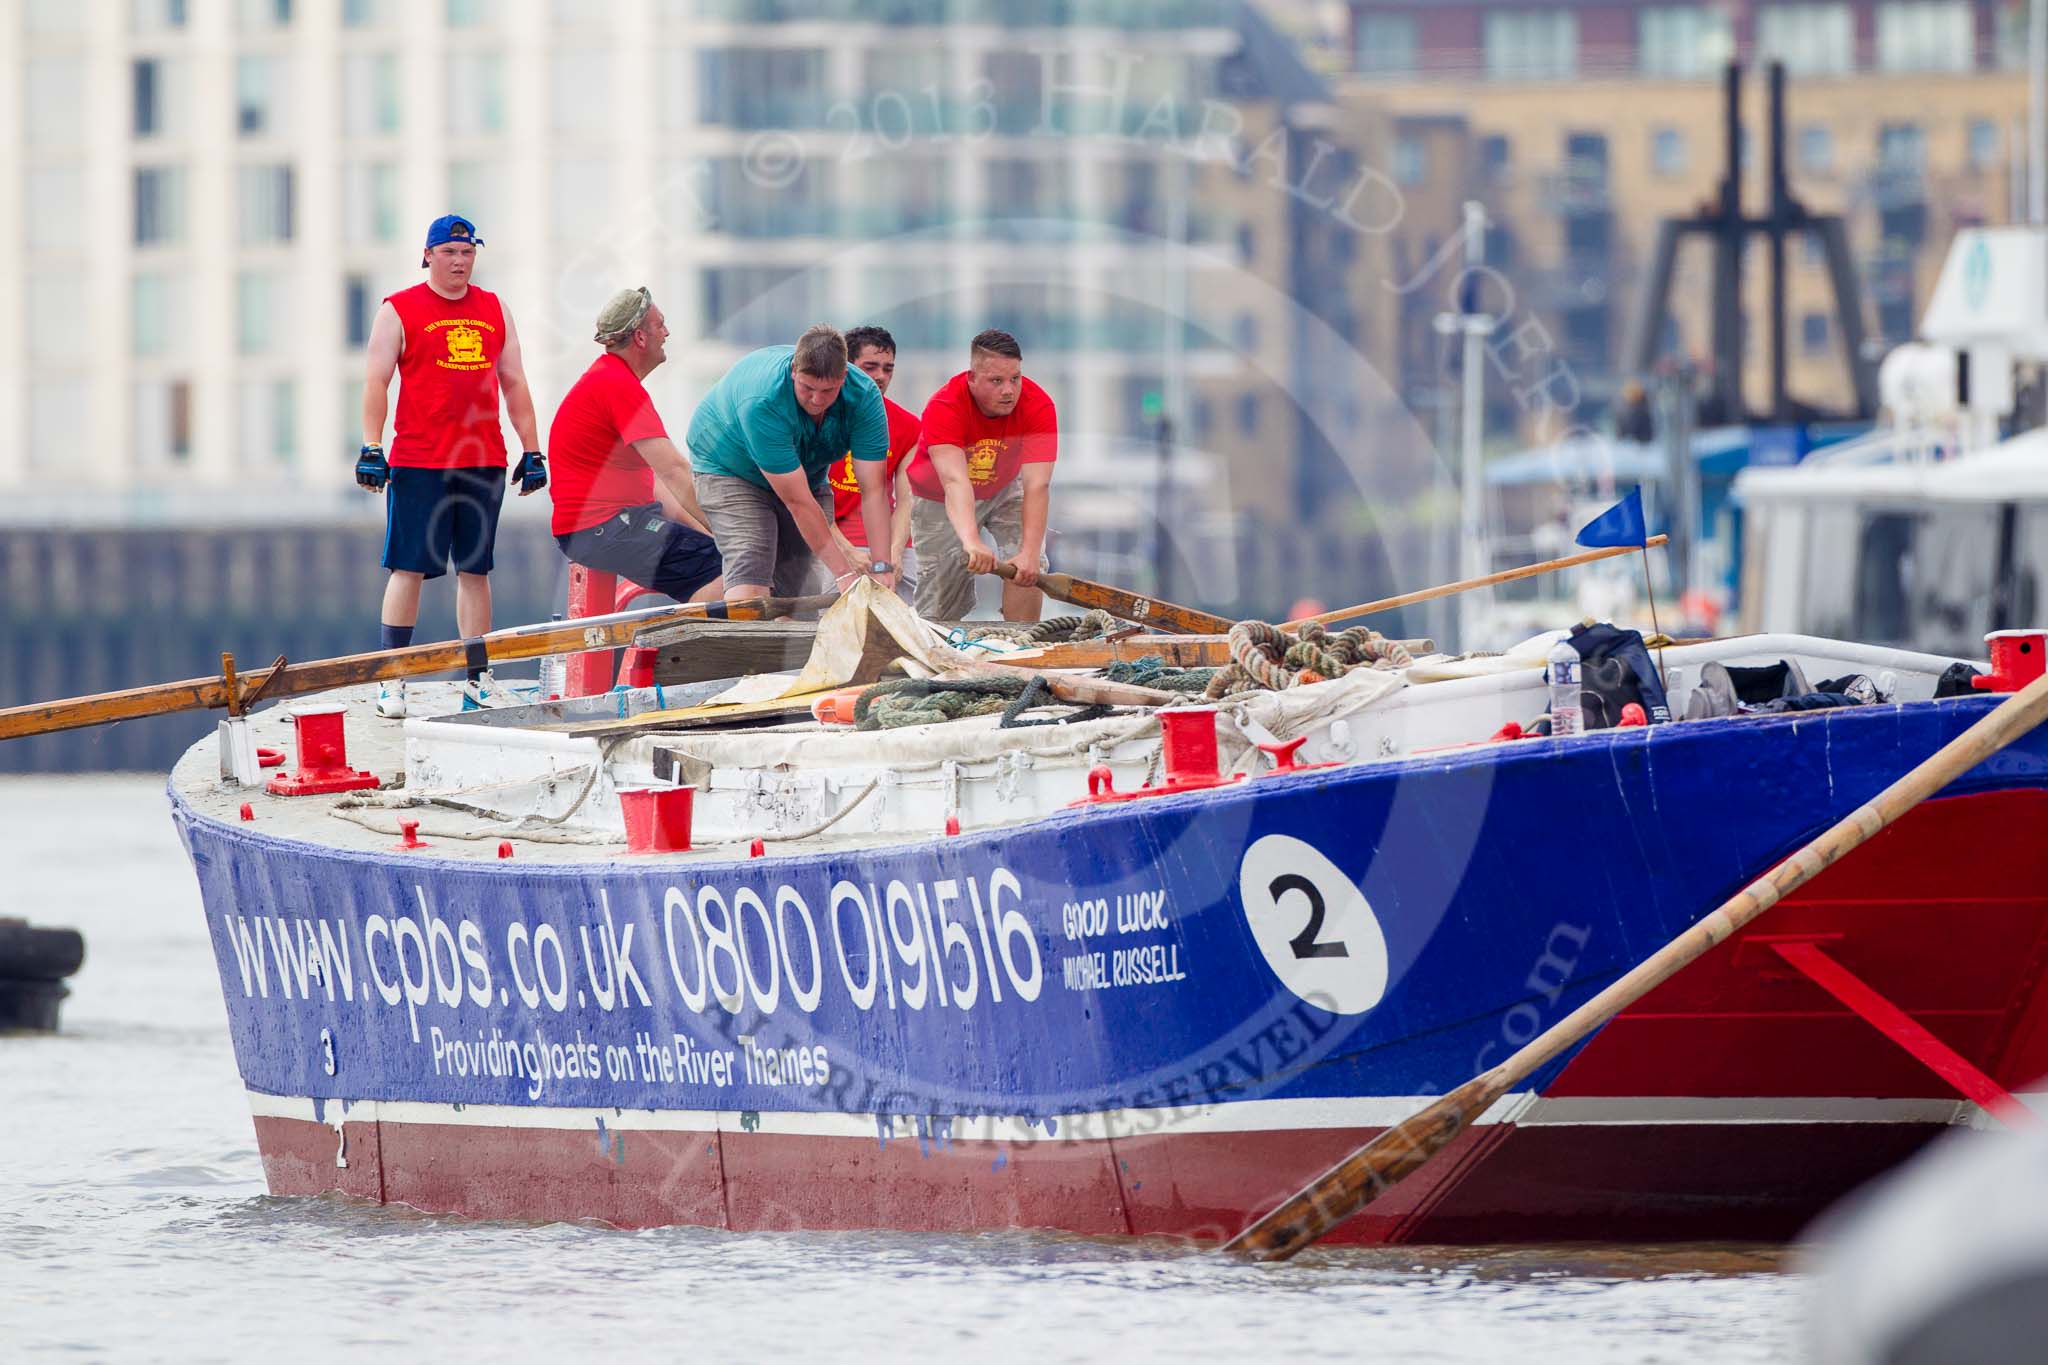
(1247, 1116)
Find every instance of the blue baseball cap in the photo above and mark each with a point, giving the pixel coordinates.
(452, 227)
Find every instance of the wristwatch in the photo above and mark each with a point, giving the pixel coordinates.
(881, 566)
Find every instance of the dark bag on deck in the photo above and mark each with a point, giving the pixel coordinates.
(1615, 669)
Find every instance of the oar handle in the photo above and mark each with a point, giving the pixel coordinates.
(1372, 1169)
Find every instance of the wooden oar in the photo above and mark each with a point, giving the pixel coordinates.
(320, 675)
(1468, 584)
(1370, 1171)
(1130, 606)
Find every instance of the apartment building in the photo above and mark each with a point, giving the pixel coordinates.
(202, 203)
(1581, 125)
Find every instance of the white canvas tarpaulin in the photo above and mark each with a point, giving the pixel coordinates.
(859, 636)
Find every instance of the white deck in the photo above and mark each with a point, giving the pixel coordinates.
(781, 781)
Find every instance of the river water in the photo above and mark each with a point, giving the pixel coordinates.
(134, 1223)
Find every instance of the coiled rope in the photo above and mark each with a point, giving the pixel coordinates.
(1265, 656)
(929, 701)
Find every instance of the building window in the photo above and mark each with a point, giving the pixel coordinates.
(1901, 147)
(744, 87)
(1411, 160)
(476, 93)
(583, 199)
(55, 16)
(269, 422)
(1386, 44)
(58, 192)
(761, 305)
(264, 204)
(260, 102)
(56, 324)
(1244, 333)
(469, 13)
(1535, 44)
(1248, 414)
(1667, 151)
(358, 310)
(913, 304)
(581, 77)
(54, 403)
(1926, 35)
(159, 205)
(369, 94)
(362, 13)
(1683, 42)
(163, 422)
(147, 83)
(1496, 158)
(157, 313)
(53, 113)
(1816, 150)
(262, 14)
(1811, 40)
(471, 190)
(569, 13)
(156, 16)
(1985, 151)
(740, 205)
(369, 203)
(256, 305)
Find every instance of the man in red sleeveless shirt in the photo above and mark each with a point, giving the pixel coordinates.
(872, 351)
(455, 351)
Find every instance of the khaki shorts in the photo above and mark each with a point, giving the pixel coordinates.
(945, 590)
(758, 537)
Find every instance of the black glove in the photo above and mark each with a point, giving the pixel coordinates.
(372, 470)
(531, 472)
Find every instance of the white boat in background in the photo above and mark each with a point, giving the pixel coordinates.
(1930, 532)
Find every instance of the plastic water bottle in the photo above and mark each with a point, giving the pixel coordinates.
(554, 672)
(1563, 673)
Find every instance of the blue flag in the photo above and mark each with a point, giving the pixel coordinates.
(1621, 524)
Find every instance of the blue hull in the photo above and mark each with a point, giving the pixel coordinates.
(1371, 933)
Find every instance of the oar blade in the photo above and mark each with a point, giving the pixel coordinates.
(1360, 1178)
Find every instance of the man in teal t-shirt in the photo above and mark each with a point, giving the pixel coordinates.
(761, 444)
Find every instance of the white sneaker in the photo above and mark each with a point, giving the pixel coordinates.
(391, 699)
(480, 692)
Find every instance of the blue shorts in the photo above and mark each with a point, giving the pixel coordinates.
(643, 545)
(434, 515)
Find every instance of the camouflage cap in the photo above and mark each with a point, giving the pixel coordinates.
(622, 312)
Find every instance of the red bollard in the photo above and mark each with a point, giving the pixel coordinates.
(248, 811)
(639, 669)
(409, 835)
(504, 848)
(757, 849)
(2016, 659)
(658, 818)
(952, 824)
(323, 757)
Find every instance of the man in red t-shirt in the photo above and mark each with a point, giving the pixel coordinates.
(454, 350)
(624, 498)
(982, 472)
(872, 351)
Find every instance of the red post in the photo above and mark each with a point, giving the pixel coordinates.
(591, 592)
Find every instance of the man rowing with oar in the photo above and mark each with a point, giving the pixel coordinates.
(454, 350)
(982, 471)
(624, 500)
(763, 441)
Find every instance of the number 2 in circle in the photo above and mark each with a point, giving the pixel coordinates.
(1306, 944)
